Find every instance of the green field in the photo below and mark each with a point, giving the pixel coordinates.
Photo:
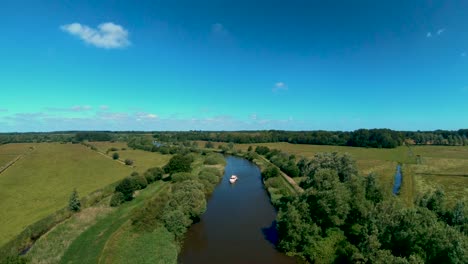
(143, 160)
(41, 182)
(436, 166)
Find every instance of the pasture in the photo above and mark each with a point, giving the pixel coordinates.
(424, 167)
(143, 160)
(41, 182)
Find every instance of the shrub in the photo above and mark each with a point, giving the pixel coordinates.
(74, 203)
(213, 159)
(154, 174)
(208, 176)
(126, 187)
(214, 171)
(262, 150)
(117, 199)
(128, 162)
(140, 182)
(178, 163)
(112, 149)
(181, 176)
(270, 172)
(115, 156)
(209, 144)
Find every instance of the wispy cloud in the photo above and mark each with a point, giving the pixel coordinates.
(76, 108)
(3, 110)
(107, 35)
(80, 108)
(219, 29)
(280, 86)
(436, 34)
(104, 107)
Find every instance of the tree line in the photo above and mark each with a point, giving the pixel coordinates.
(372, 138)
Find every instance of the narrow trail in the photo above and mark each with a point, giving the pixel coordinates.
(11, 163)
(290, 180)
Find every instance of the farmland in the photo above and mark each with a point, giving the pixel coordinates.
(429, 166)
(40, 183)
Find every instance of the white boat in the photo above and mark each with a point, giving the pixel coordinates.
(233, 179)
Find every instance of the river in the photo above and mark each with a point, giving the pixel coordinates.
(238, 226)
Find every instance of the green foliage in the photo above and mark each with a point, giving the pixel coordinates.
(374, 191)
(150, 215)
(140, 182)
(128, 162)
(190, 197)
(115, 156)
(93, 136)
(74, 203)
(209, 144)
(127, 186)
(343, 164)
(154, 174)
(179, 163)
(344, 218)
(117, 199)
(270, 172)
(13, 259)
(262, 150)
(213, 159)
(181, 176)
(176, 222)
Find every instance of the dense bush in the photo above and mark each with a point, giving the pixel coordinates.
(209, 144)
(181, 176)
(179, 163)
(117, 199)
(154, 174)
(270, 172)
(342, 217)
(261, 150)
(140, 182)
(93, 136)
(128, 162)
(214, 158)
(115, 156)
(127, 186)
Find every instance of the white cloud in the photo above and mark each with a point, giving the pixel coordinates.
(440, 31)
(104, 107)
(428, 35)
(107, 35)
(280, 86)
(80, 108)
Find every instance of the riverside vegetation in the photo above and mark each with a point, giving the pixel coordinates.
(341, 214)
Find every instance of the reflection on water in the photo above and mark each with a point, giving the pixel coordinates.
(239, 224)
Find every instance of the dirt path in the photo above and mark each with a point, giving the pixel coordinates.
(290, 180)
(9, 164)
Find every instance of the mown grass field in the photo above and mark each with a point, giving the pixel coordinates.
(101, 243)
(143, 160)
(10, 151)
(41, 182)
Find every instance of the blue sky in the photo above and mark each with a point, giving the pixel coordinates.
(233, 65)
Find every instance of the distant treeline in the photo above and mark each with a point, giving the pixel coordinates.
(373, 138)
